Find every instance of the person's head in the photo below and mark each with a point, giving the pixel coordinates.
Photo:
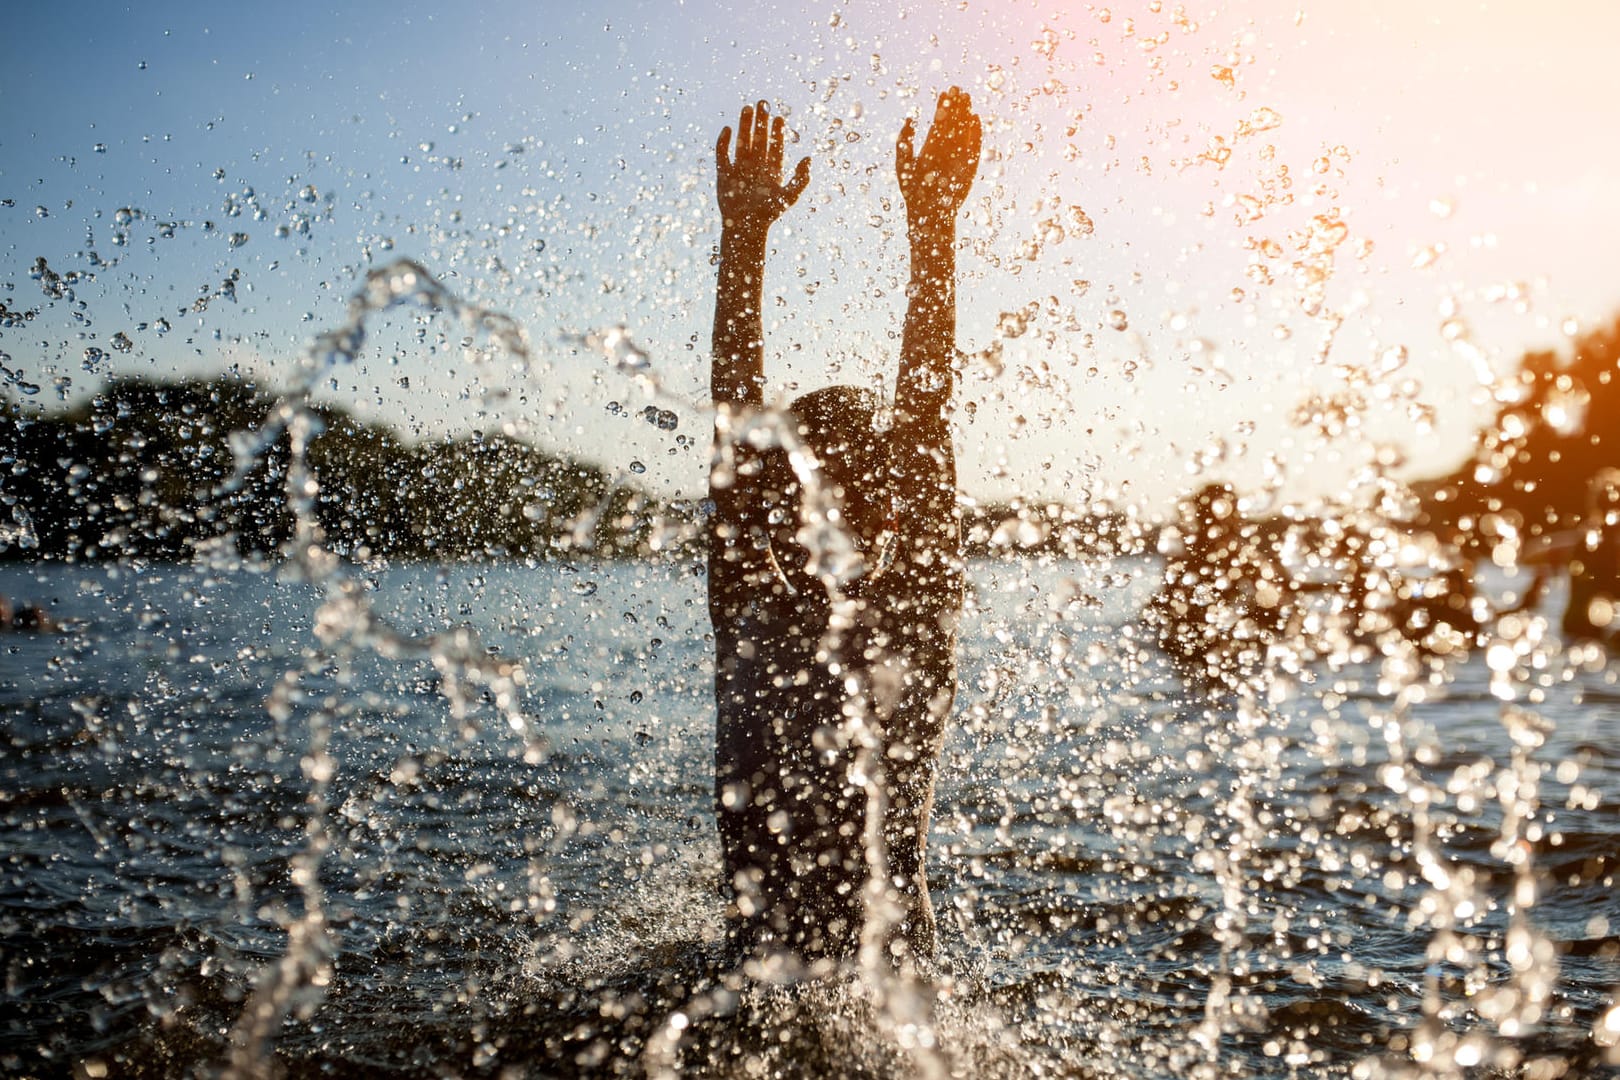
(838, 424)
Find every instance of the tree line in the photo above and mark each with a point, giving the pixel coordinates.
(141, 470)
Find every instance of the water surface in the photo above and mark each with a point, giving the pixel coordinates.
(1133, 879)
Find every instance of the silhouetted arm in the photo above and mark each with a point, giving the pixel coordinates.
(751, 197)
(934, 183)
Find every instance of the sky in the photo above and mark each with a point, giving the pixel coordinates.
(1292, 244)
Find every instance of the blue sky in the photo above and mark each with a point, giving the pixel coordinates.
(1195, 224)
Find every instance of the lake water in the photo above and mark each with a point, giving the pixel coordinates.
(1133, 880)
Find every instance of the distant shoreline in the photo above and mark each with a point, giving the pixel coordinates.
(137, 472)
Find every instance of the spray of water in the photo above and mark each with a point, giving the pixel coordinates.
(1200, 841)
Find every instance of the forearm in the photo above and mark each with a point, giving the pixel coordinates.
(925, 458)
(737, 372)
(928, 343)
(736, 381)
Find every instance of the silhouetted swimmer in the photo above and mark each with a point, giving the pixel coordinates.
(26, 617)
(1440, 611)
(1593, 612)
(1223, 594)
(808, 670)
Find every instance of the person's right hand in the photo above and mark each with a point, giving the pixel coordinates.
(935, 181)
(750, 187)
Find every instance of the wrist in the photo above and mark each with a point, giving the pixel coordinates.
(741, 242)
(932, 227)
(932, 238)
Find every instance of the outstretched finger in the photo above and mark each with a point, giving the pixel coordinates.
(800, 181)
(745, 132)
(722, 150)
(773, 159)
(905, 153)
(974, 139)
(960, 128)
(762, 130)
(961, 113)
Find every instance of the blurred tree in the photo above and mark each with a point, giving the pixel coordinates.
(1557, 427)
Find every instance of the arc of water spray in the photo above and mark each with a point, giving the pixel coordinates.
(347, 621)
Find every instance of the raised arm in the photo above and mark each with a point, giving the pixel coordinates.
(752, 196)
(934, 183)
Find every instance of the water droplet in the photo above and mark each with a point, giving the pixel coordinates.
(1427, 256)
(662, 419)
(1565, 410)
(617, 346)
(1262, 119)
(637, 467)
(121, 342)
(1249, 209)
(1117, 320)
(238, 239)
(1607, 1031)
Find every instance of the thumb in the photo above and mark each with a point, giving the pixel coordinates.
(801, 180)
(905, 156)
